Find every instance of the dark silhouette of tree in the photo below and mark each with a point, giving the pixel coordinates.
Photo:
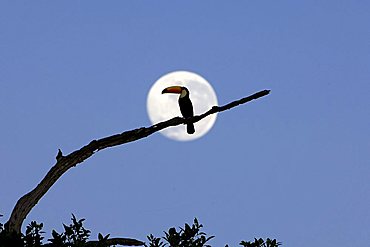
(76, 235)
(64, 162)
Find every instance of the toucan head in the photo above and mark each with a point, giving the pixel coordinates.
(183, 91)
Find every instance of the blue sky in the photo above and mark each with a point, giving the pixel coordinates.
(292, 166)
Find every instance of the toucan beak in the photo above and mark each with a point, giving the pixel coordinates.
(173, 89)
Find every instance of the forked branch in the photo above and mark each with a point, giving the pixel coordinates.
(28, 201)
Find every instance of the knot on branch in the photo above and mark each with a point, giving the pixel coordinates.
(59, 155)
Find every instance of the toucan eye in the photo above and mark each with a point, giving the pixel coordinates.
(183, 93)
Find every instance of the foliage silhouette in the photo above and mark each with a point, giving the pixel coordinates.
(261, 243)
(187, 236)
(192, 237)
(33, 236)
(76, 235)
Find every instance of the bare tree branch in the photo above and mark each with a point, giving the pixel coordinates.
(117, 241)
(28, 201)
(109, 242)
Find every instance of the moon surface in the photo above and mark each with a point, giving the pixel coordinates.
(162, 107)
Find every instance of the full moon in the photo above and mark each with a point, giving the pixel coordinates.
(162, 107)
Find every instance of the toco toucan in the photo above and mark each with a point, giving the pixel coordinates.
(186, 107)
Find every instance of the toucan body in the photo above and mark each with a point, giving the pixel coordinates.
(186, 107)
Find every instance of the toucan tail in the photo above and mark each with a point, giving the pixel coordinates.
(190, 128)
